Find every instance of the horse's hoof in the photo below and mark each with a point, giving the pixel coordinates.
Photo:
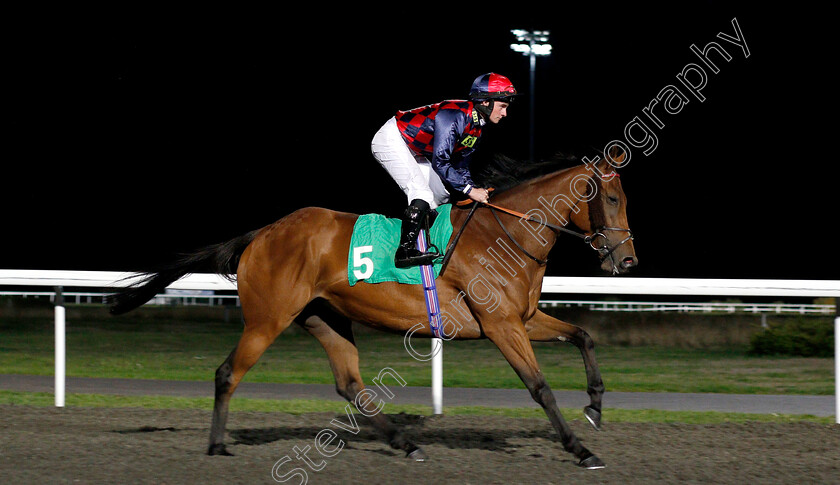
(592, 463)
(593, 416)
(417, 455)
(218, 450)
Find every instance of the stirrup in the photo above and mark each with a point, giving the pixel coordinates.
(405, 258)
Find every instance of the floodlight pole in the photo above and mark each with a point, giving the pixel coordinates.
(532, 49)
(533, 59)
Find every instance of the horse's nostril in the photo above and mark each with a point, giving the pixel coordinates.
(629, 262)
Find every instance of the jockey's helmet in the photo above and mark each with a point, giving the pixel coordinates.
(491, 87)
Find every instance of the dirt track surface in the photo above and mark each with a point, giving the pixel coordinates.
(97, 445)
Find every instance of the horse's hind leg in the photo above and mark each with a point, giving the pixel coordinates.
(251, 346)
(544, 328)
(334, 333)
(220, 407)
(277, 277)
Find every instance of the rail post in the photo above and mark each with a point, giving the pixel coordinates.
(437, 375)
(59, 347)
(837, 360)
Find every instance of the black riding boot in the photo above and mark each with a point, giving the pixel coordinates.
(412, 223)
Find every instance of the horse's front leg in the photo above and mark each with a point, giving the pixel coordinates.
(512, 339)
(544, 328)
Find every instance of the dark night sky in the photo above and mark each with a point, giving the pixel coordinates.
(131, 138)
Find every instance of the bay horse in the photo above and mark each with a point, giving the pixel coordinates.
(296, 269)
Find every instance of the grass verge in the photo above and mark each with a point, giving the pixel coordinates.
(301, 406)
(161, 348)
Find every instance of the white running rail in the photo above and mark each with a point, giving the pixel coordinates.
(551, 284)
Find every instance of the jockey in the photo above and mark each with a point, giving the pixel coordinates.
(427, 151)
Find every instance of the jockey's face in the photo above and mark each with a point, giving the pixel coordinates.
(499, 110)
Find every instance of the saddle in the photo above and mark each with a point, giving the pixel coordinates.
(375, 239)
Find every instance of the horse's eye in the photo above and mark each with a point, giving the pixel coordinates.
(612, 200)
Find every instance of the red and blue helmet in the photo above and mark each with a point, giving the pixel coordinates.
(492, 86)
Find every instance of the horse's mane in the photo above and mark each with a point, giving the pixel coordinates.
(502, 172)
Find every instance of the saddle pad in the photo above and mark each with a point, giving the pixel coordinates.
(375, 240)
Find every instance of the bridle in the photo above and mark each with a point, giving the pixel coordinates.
(604, 251)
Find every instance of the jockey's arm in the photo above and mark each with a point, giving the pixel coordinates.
(449, 125)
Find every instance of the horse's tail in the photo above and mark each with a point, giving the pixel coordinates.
(221, 259)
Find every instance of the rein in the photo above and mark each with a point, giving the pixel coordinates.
(528, 218)
(604, 251)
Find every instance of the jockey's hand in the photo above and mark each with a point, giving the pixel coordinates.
(479, 195)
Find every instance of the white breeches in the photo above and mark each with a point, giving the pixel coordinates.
(413, 173)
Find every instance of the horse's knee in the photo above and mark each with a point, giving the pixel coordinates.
(348, 390)
(541, 392)
(586, 341)
(580, 339)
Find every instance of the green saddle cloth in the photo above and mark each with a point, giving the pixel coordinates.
(375, 240)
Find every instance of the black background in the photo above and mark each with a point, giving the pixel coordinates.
(135, 135)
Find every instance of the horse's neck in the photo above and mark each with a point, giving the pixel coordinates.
(551, 194)
(549, 198)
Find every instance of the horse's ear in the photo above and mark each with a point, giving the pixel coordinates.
(617, 156)
(603, 166)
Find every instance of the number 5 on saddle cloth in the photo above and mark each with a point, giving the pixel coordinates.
(371, 256)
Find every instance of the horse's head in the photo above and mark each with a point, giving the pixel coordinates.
(603, 216)
(590, 197)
